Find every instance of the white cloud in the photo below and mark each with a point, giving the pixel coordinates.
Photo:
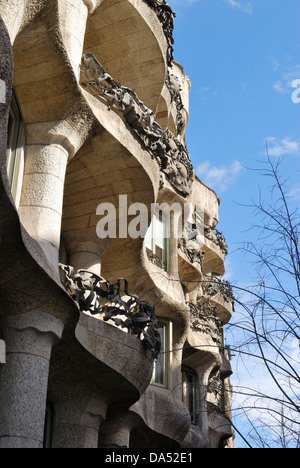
(286, 146)
(294, 192)
(219, 178)
(275, 63)
(246, 7)
(285, 84)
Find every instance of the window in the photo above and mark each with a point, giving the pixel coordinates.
(162, 366)
(156, 241)
(190, 394)
(15, 150)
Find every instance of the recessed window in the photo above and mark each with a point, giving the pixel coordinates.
(162, 365)
(156, 241)
(190, 394)
(15, 149)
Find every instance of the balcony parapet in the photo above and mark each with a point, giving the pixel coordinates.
(166, 16)
(93, 294)
(217, 237)
(191, 241)
(213, 285)
(171, 155)
(204, 318)
(216, 389)
(174, 87)
(192, 250)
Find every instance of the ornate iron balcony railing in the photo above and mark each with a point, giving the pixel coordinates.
(204, 317)
(166, 16)
(191, 244)
(217, 237)
(213, 285)
(172, 157)
(95, 295)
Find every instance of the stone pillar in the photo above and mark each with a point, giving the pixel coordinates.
(29, 340)
(86, 255)
(118, 439)
(77, 420)
(49, 147)
(173, 247)
(115, 433)
(203, 373)
(40, 208)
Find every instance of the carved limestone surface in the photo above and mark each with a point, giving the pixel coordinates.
(172, 157)
(95, 295)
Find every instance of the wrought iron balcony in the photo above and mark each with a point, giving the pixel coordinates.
(191, 244)
(95, 295)
(213, 285)
(204, 317)
(216, 237)
(171, 155)
(166, 16)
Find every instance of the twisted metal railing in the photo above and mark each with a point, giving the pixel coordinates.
(95, 295)
(171, 155)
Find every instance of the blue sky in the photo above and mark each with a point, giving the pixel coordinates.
(242, 57)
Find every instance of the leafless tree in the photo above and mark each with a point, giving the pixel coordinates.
(265, 329)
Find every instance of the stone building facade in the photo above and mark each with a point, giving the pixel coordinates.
(105, 341)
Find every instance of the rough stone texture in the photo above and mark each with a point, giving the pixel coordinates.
(79, 154)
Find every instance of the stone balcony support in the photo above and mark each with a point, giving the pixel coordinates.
(24, 378)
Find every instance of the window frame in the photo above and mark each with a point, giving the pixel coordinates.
(15, 149)
(165, 355)
(151, 240)
(194, 405)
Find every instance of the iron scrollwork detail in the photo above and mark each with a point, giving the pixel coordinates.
(204, 317)
(217, 237)
(191, 241)
(95, 295)
(174, 87)
(172, 157)
(167, 17)
(214, 285)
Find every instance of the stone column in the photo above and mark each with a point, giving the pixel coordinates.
(115, 433)
(77, 420)
(78, 415)
(86, 255)
(40, 208)
(173, 247)
(49, 147)
(203, 373)
(29, 340)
